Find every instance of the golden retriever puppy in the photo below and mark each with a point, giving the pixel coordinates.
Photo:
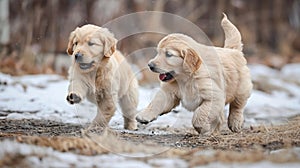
(203, 78)
(101, 74)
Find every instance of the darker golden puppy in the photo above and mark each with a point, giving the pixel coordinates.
(101, 74)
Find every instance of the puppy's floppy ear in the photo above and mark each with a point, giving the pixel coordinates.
(110, 43)
(70, 43)
(191, 60)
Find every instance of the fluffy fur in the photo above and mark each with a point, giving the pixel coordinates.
(203, 78)
(101, 74)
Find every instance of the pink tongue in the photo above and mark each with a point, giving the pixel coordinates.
(162, 76)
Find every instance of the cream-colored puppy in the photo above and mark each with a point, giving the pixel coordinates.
(101, 74)
(203, 78)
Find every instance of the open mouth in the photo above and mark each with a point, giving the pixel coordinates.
(166, 76)
(85, 66)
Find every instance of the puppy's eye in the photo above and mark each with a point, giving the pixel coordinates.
(76, 43)
(91, 43)
(168, 54)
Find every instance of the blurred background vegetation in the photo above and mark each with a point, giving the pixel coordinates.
(34, 33)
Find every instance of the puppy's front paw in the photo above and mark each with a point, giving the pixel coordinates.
(145, 117)
(73, 98)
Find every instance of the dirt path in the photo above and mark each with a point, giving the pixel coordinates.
(263, 137)
(253, 145)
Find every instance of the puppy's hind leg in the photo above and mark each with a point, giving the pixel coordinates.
(128, 104)
(236, 118)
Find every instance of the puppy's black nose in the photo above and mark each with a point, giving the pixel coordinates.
(78, 57)
(151, 66)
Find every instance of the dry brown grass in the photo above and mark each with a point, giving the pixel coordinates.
(254, 144)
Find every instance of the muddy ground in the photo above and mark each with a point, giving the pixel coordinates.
(250, 145)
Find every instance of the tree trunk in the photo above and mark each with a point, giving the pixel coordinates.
(4, 22)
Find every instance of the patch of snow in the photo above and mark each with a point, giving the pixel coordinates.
(291, 71)
(264, 164)
(168, 162)
(35, 156)
(276, 101)
(262, 70)
(44, 97)
(283, 99)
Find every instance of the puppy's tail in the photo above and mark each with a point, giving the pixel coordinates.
(233, 37)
